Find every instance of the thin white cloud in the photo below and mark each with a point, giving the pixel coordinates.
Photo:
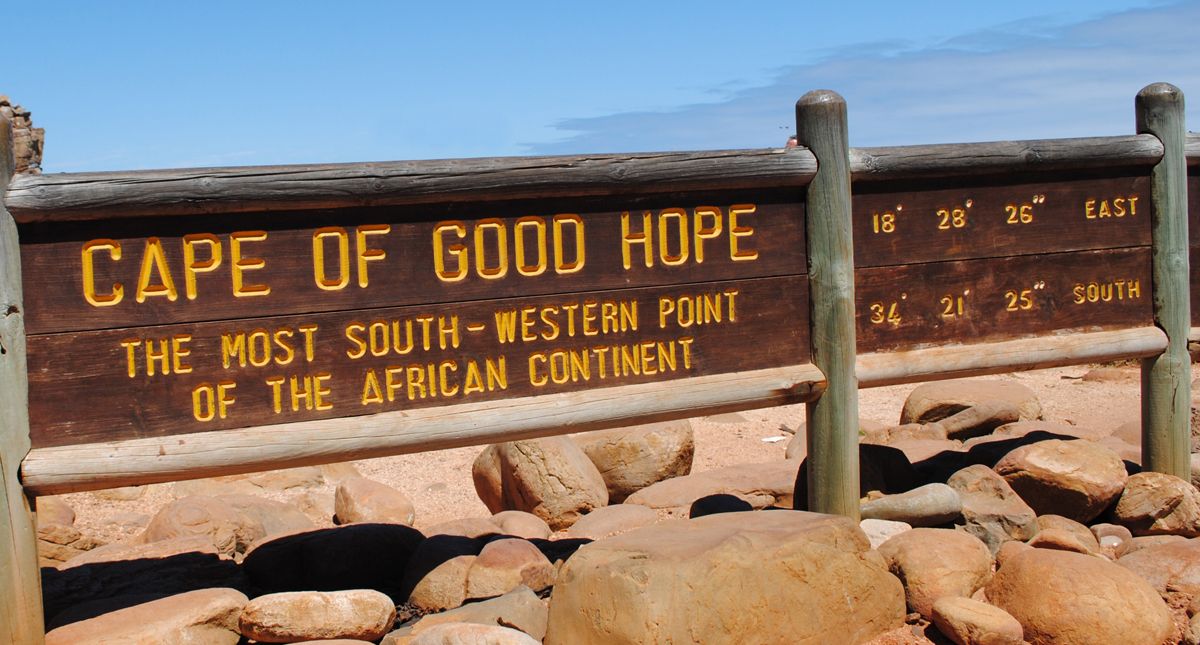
(1017, 81)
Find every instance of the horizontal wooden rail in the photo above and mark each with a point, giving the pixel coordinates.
(958, 361)
(48, 471)
(1191, 148)
(83, 196)
(1001, 157)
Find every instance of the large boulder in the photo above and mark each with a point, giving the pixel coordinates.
(761, 485)
(992, 511)
(612, 520)
(1076, 479)
(551, 478)
(935, 563)
(505, 564)
(201, 616)
(230, 530)
(519, 609)
(630, 459)
(942, 399)
(1174, 566)
(783, 576)
(358, 499)
(288, 617)
(1064, 598)
(1159, 504)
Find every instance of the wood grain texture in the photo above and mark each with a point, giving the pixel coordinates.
(979, 359)
(49, 471)
(1166, 378)
(906, 307)
(1003, 157)
(167, 193)
(89, 387)
(833, 466)
(405, 274)
(953, 219)
(20, 578)
(1192, 148)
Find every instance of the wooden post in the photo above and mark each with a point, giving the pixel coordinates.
(832, 419)
(20, 581)
(1166, 378)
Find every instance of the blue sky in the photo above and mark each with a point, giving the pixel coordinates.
(127, 85)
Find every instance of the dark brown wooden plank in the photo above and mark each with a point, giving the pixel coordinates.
(167, 193)
(701, 243)
(976, 300)
(978, 220)
(1003, 157)
(82, 391)
(1193, 206)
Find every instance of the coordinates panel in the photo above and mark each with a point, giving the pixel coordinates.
(152, 381)
(122, 273)
(971, 301)
(979, 221)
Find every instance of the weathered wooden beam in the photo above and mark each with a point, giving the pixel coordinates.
(832, 419)
(83, 196)
(92, 466)
(1191, 148)
(979, 359)
(20, 581)
(1002, 157)
(1166, 378)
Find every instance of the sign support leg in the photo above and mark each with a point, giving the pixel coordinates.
(1166, 378)
(832, 419)
(20, 581)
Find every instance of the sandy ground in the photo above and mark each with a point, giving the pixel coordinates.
(439, 483)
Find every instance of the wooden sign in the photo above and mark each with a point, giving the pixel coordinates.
(160, 326)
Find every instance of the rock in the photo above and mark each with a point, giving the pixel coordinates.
(933, 563)
(917, 450)
(1126, 451)
(228, 485)
(316, 505)
(202, 616)
(678, 579)
(472, 527)
(287, 617)
(1061, 430)
(1112, 375)
(1074, 599)
(334, 473)
(144, 551)
(519, 609)
(880, 531)
(1195, 476)
(1010, 549)
(941, 399)
(928, 505)
(971, 622)
(979, 419)
(472, 634)
(1143, 541)
(54, 510)
(1061, 540)
(1075, 479)
(504, 565)
(485, 474)
(445, 587)
(276, 518)
(992, 511)
(229, 530)
(358, 499)
(369, 556)
(523, 525)
(551, 478)
(630, 459)
(1115, 540)
(762, 485)
(1159, 504)
(612, 520)
(58, 544)
(1083, 535)
(1174, 565)
(288, 478)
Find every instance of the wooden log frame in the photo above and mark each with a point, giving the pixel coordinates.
(20, 578)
